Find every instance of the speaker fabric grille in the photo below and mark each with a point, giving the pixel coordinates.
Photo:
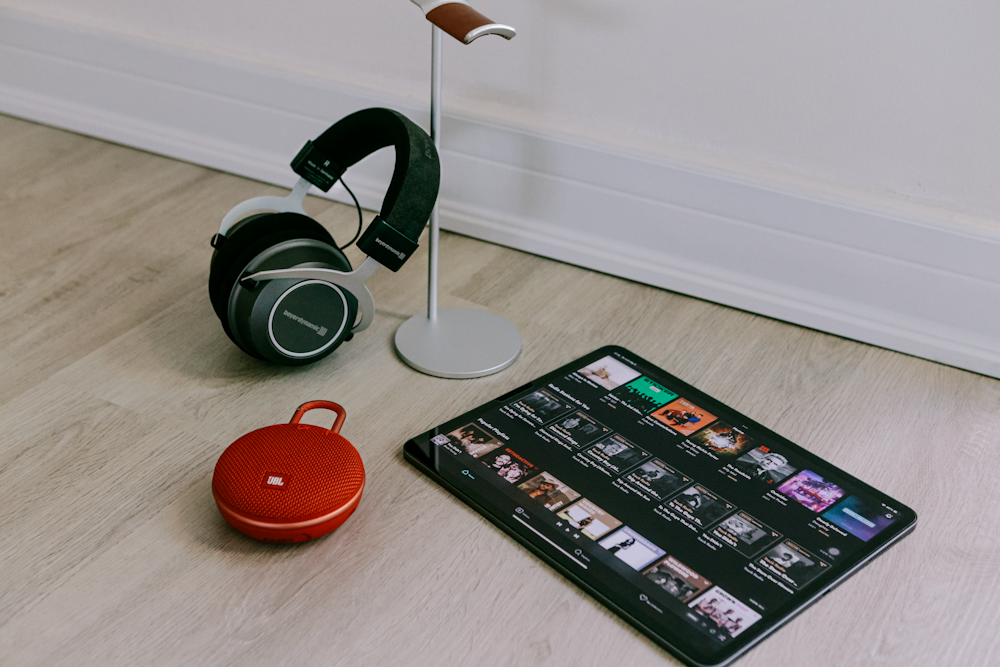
(323, 470)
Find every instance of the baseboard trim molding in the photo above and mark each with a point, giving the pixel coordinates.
(913, 285)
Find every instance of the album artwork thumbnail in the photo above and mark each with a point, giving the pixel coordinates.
(542, 406)
(793, 564)
(609, 372)
(683, 416)
(578, 429)
(643, 394)
(548, 491)
(632, 548)
(745, 533)
(616, 453)
(677, 579)
(721, 614)
(812, 491)
(859, 518)
(764, 464)
(700, 505)
(588, 518)
(471, 438)
(657, 479)
(510, 465)
(723, 439)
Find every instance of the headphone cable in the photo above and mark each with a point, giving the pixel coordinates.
(360, 219)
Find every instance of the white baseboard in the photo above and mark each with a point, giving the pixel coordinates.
(900, 282)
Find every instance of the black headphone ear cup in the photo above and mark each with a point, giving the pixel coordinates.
(252, 235)
(293, 321)
(271, 241)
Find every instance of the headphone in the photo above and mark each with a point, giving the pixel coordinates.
(283, 290)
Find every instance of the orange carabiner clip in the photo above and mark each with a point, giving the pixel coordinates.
(327, 405)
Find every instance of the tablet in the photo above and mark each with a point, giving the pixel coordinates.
(700, 527)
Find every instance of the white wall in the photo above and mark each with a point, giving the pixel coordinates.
(828, 164)
(891, 103)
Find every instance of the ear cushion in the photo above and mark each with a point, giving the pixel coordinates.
(250, 237)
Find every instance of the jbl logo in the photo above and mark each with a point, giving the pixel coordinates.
(275, 480)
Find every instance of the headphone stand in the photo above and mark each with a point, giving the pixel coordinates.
(454, 342)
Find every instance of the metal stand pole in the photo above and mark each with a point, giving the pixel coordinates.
(432, 266)
(454, 342)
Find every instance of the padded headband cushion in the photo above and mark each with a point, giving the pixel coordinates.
(415, 180)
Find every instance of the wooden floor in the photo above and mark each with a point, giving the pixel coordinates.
(119, 390)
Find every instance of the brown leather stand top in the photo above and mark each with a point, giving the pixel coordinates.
(457, 19)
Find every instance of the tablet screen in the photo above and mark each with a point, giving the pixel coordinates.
(701, 527)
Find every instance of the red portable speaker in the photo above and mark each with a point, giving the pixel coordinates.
(290, 482)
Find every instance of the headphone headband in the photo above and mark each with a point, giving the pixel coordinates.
(409, 200)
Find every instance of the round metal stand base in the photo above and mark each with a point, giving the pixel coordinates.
(460, 343)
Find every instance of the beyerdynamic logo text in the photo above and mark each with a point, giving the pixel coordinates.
(388, 247)
(315, 327)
